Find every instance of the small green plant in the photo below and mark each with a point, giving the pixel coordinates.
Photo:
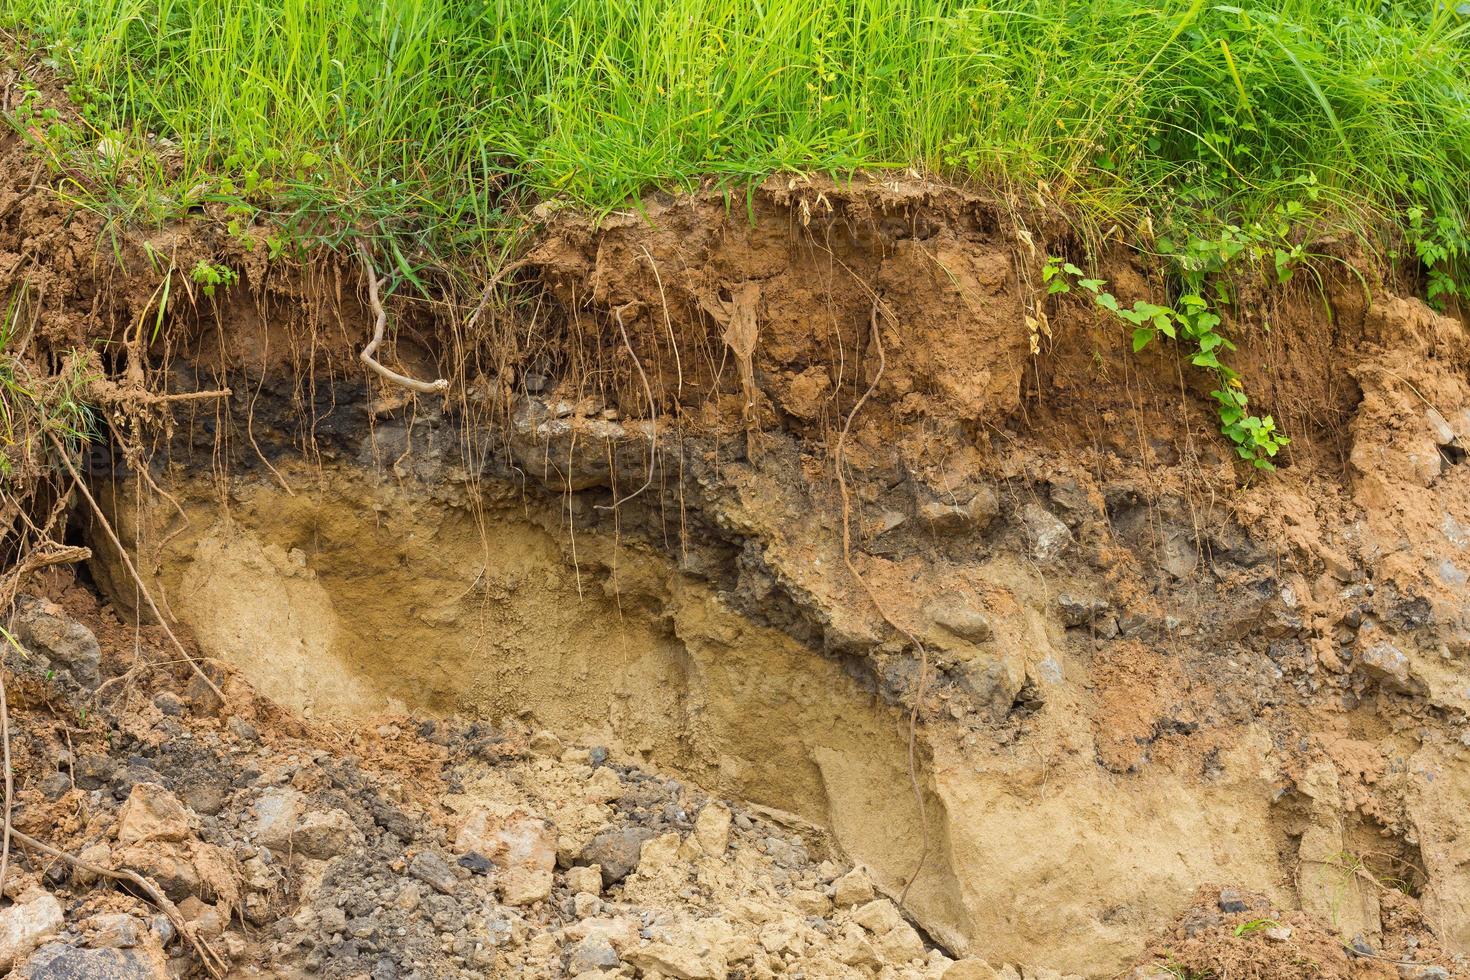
(1193, 323)
(1193, 320)
(210, 276)
(1176, 969)
(32, 408)
(1441, 244)
(1255, 925)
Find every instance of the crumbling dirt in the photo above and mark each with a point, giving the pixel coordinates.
(1142, 670)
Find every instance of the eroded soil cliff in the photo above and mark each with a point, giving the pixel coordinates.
(817, 504)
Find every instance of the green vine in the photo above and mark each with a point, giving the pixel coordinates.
(1192, 320)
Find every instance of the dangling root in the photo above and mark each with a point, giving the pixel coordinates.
(380, 326)
(878, 604)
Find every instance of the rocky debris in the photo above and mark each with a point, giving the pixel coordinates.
(117, 930)
(669, 960)
(712, 828)
(960, 618)
(277, 813)
(1230, 901)
(26, 924)
(152, 813)
(325, 835)
(853, 888)
(894, 938)
(1390, 667)
(59, 961)
(584, 880)
(1439, 427)
(993, 682)
(976, 514)
(1046, 536)
(617, 851)
(44, 628)
(592, 953)
(1082, 611)
(522, 846)
(1419, 971)
(347, 865)
(432, 869)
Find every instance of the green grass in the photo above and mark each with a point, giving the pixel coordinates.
(434, 119)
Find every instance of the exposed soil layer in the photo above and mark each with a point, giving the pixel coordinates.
(781, 502)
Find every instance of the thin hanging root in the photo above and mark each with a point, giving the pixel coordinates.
(9, 772)
(380, 326)
(652, 414)
(128, 562)
(878, 604)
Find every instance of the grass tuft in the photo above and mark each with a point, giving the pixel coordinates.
(429, 117)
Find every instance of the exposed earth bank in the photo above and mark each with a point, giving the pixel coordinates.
(817, 517)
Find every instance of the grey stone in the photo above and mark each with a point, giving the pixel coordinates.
(1179, 553)
(1082, 611)
(44, 628)
(786, 854)
(242, 729)
(1046, 536)
(476, 863)
(1230, 901)
(117, 930)
(276, 814)
(617, 851)
(206, 795)
(57, 961)
(592, 953)
(432, 869)
(25, 925)
(332, 920)
(1070, 497)
(162, 927)
(992, 684)
(1458, 534)
(169, 704)
(326, 835)
(1423, 971)
(55, 785)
